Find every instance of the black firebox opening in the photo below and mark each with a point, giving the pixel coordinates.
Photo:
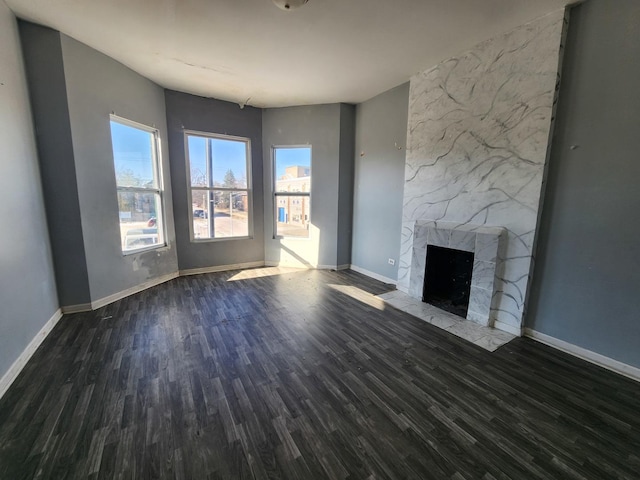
(447, 279)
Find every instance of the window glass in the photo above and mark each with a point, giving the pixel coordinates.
(220, 186)
(292, 191)
(292, 169)
(229, 163)
(135, 160)
(198, 161)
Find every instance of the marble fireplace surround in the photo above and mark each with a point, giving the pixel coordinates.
(478, 137)
(484, 242)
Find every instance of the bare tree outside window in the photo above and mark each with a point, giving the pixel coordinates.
(220, 193)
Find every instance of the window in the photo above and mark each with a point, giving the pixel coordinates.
(219, 186)
(139, 185)
(292, 191)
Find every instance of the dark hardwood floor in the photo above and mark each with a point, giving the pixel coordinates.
(300, 375)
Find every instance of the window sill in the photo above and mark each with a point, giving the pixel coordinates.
(160, 247)
(305, 239)
(222, 239)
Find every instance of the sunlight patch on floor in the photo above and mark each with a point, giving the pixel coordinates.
(263, 272)
(359, 294)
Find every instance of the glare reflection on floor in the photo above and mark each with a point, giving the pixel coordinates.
(359, 294)
(263, 272)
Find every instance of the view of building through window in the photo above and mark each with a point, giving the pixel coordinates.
(220, 186)
(139, 188)
(292, 191)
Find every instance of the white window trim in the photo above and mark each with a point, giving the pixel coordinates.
(275, 195)
(157, 172)
(190, 189)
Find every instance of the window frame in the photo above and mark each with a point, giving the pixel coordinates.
(275, 194)
(190, 188)
(157, 176)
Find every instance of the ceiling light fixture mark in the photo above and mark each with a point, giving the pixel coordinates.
(288, 5)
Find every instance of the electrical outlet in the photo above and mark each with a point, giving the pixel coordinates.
(392, 261)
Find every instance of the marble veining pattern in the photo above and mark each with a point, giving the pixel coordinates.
(477, 142)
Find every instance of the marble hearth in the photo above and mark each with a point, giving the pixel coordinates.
(488, 338)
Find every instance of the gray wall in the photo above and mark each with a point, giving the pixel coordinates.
(586, 280)
(380, 139)
(79, 180)
(97, 86)
(27, 286)
(320, 127)
(43, 59)
(345, 182)
(190, 112)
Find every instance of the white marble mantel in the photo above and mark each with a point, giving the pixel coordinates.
(477, 145)
(484, 242)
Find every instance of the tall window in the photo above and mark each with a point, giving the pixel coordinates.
(139, 185)
(220, 186)
(292, 191)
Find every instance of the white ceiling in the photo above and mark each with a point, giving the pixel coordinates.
(327, 51)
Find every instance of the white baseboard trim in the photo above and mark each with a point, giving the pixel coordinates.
(592, 357)
(344, 266)
(88, 307)
(505, 327)
(81, 307)
(221, 268)
(298, 265)
(301, 266)
(9, 377)
(130, 291)
(373, 275)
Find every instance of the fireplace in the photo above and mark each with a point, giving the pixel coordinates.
(484, 244)
(447, 279)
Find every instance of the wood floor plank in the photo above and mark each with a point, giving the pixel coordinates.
(273, 373)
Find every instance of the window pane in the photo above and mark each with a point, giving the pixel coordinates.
(219, 163)
(133, 156)
(231, 214)
(201, 205)
(292, 216)
(197, 160)
(140, 224)
(292, 169)
(229, 159)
